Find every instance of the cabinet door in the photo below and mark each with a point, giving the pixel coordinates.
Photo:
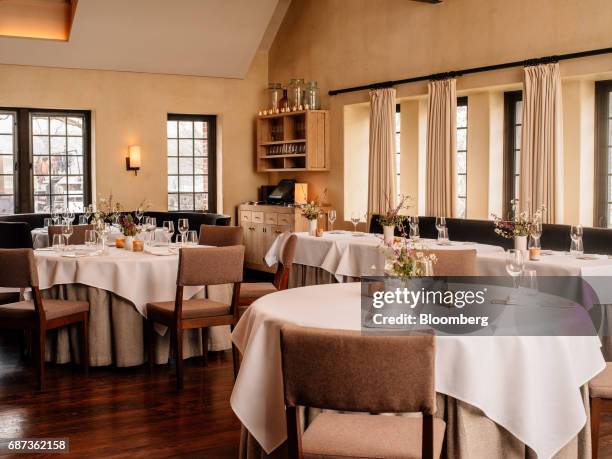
(268, 238)
(247, 241)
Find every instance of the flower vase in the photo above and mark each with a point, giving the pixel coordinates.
(389, 234)
(312, 227)
(128, 242)
(520, 243)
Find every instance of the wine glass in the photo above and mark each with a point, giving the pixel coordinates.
(355, 219)
(440, 223)
(88, 212)
(69, 216)
(514, 265)
(331, 217)
(67, 230)
(183, 227)
(414, 228)
(139, 214)
(56, 215)
(168, 230)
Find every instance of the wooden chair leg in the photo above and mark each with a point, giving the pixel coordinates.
(205, 346)
(178, 355)
(41, 350)
(150, 330)
(595, 421)
(85, 343)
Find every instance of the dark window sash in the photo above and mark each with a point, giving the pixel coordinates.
(510, 102)
(602, 121)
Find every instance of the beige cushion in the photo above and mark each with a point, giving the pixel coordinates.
(601, 385)
(256, 289)
(53, 309)
(334, 435)
(192, 309)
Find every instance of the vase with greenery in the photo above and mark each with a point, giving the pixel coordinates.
(392, 219)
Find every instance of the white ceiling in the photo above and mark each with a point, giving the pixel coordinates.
(186, 37)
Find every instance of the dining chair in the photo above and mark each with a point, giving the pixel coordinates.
(454, 262)
(221, 236)
(198, 266)
(78, 234)
(345, 371)
(250, 291)
(37, 315)
(600, 390)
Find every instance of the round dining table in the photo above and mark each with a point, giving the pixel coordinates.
(499, 395)
(118, 285)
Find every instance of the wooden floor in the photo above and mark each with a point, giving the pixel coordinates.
(117, 412)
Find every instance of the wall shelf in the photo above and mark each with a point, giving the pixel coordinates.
(294, 141)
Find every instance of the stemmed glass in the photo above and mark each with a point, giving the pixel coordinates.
(414, 228)
(576, 247)
(139, 214)
(183, 227)
(515, 262)
(440, 223)
(331, 218)
(67, 230)
(355, 218)
(150, 226)
(69, 216)
(88, 212)
(168, 230)
(56, 215)
(441, 227)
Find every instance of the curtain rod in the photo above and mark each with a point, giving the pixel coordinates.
(486, 68)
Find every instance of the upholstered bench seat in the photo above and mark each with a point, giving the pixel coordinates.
(334, 435)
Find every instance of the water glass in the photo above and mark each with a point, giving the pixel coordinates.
(515, 263)
(443, 234)
(183, 226)
(192, 237)
(413, 232)
(440, 223)
(90, 238)
(67, 230)
(47, 222)
(331, 218)
(576, 247)
(58, 242)
(529, 281)
(180, 240)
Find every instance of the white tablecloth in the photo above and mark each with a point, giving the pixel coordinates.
(528, 385)
(344, 254)
(136, 276)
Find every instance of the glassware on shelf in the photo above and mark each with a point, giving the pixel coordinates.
(275, 94)
(296, 93)
(312, 96)
(283, 103)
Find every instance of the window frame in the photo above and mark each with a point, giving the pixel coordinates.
(398, 132)
(23, 181)
(463, 102)
(602, 123)
(212, 159)
(511, 99)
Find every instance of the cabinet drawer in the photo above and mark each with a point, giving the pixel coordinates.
(284, 219)
(257, 217)
(245, 215)
(271, 218)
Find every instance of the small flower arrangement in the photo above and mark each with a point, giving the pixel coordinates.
(312, 210)
(521, 224)
(407, 261)
(392, 216)
(106, 208)
(128, 226)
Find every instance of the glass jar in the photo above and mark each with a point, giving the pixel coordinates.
(275, 93)
(296, 93)
(312, 96)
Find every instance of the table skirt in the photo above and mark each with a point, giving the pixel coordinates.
(116, 330)
(469, 434)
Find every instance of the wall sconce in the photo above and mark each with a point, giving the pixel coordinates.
(132, 162)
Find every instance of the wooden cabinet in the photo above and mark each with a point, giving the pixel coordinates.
(295, 141)
(262, 225)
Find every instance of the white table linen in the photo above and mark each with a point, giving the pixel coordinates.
(528, 385)
(344, 254)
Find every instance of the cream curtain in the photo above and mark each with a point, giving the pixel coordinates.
(542, 143)
(382, 174)
(441, 148)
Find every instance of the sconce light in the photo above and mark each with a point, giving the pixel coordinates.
(132, 162)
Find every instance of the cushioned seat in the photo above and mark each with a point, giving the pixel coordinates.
(601, 385)
(192, 309)
(334, 435)
(53, 309)
(256, 289)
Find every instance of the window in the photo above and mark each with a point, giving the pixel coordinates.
(44, 160)
(513, 119)
(603, 154)
(462, 133)
(398, 122)
(191, 162)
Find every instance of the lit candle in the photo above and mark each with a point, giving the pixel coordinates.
(137, 245)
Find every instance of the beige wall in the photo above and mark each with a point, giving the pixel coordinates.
(131, 108)
(340, 43)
